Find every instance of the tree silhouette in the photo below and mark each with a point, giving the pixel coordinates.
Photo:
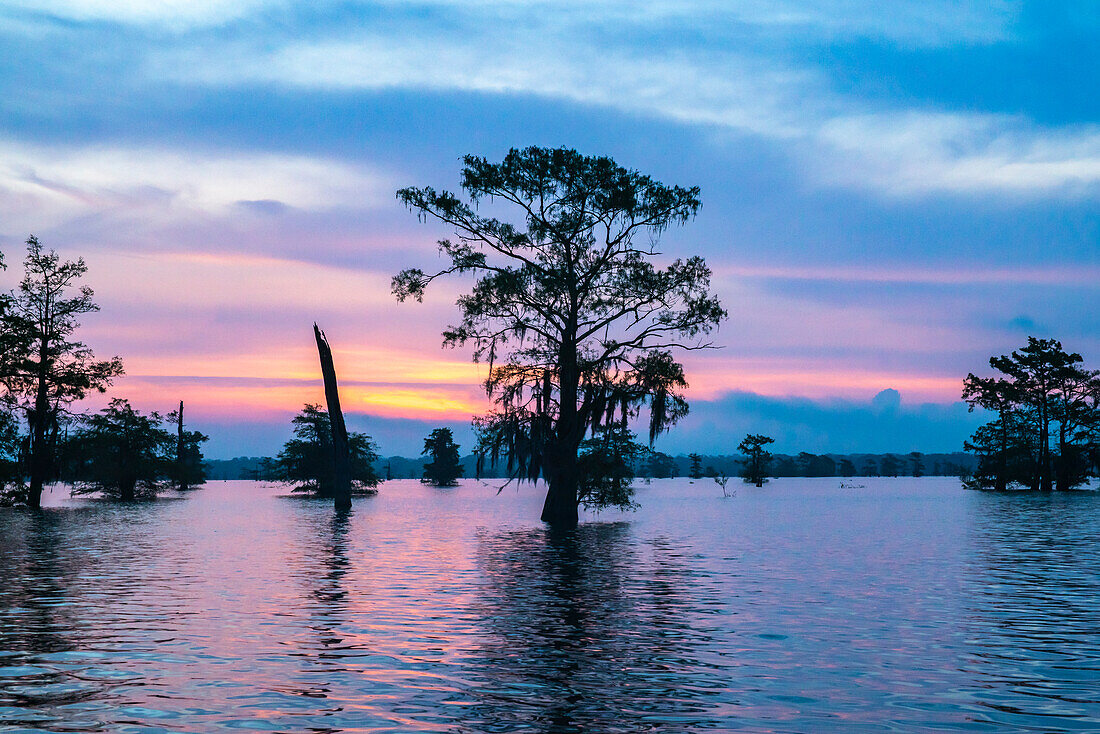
(889, 466)
(120, 453)
(574, 319)
(755, 465)
(660, 465)
(916, 458)
(606, 468)
(1047, 409)
(696, 469)
(187, 469)
(53, 370)
(341, 448)
(306, 460)
(445, 467)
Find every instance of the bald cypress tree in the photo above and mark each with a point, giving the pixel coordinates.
(54, 369)
(574, 309)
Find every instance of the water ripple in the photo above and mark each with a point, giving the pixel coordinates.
(909, 606)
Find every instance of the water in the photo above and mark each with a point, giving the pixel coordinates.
(907, 605)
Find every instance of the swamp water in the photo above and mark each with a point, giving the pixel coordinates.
(906, 605)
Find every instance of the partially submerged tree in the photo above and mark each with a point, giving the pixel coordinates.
(13, 349)
(1047, 419)
(445, 467)
(187, 469)
(339, 441)
(754, 468)
(120, 453)
(695, 471)
(573, 316)
(52, 370)
(306, 460)
(916, 458)
(606, 468)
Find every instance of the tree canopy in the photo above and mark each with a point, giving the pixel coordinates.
(754, 467)
(573, 310)
(306, 460)
(45, 368)
(445, 467)
(120, 453)
(1047, 424)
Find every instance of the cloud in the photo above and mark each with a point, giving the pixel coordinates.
(884, 424)
(915, 22)
(44, 186)
(175, 14)
(712, 427)
(737, 85)
(920, 152)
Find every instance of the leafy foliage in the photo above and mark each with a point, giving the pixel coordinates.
(1047, 423)
(757, 459)
(188, 470)
(696, 469)
(445, 467)
(120, 453)
(573, 316)
(45, 368)
(607, 463)
(306, 460)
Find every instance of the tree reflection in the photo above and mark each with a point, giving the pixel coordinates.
(588, 630)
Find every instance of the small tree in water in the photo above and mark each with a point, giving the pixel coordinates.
(696, 469)
(306, 460)
(187, 469)
(445, 467)
(606, 465)
(754, 467)
(576, 321)
(120, 453)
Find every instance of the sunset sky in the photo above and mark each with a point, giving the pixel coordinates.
(889, 196)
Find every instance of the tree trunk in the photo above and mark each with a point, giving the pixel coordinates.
(39, 458)
(1062, 465)
(341, 456)
(1045, 481)
(560, 507)
(182, 471)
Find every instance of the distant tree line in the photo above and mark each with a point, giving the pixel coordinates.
(804, 464)
(660, 465)
(45, 370)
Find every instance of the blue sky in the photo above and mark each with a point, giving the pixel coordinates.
(889, 196)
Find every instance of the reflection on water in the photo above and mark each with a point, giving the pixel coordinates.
(587, 631)
(909, 606)
(1034, 626)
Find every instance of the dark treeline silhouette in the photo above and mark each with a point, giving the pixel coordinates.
(240, 467)
(576, 322)
(44, 370)
(1046, 433)
(781, 465)
(805, 464)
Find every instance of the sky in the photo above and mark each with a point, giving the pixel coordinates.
(889, 197)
